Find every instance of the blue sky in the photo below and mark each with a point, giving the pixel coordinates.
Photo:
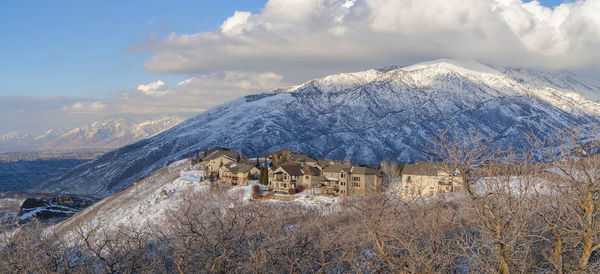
(80, 48)
(67, 63)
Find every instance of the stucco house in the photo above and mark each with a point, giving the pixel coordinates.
(350, 180)
(237, 174)
(215, 161)
(291, 175)
(425, 179)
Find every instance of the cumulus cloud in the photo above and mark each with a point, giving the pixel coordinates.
(157, 88)
(305, 39)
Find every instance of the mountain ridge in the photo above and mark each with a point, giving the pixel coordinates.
(102, 134)
(365, 116)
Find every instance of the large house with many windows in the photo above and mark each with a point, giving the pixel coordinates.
(425, 179)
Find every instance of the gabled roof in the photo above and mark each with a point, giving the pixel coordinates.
(336, 168)
(216, 154)
(301, 157)
(241, 168)
(311, 170)
(424, 168)
(293, 170)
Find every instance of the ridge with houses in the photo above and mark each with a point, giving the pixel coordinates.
(289, 172)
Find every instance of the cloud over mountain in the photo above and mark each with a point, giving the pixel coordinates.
(303, 39)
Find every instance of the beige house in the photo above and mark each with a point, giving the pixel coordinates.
(350, 180)
(215, 161)
(289, 176)
(425, 179)
(237, 174)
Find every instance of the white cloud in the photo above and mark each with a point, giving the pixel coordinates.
(195, 94)
(157, 88)
(235, 24)
(83, 107)
(306, 39)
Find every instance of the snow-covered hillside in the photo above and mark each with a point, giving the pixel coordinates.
(104, 134)
(364, 116)
(146, 204)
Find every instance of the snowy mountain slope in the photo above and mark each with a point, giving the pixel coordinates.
(364, 116)
(146, 203)
(104, 134)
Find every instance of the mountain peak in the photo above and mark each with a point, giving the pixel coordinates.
(365, 116)
(455, 65)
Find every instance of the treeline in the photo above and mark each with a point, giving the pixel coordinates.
(526, 212)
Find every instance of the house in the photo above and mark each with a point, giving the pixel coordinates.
(280, 155)
(285, 178)
(350, 180)
(237, 174)
(290, 176)
(425, 179)
(363, 181)
(217, 159)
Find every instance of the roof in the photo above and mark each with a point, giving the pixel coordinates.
(219, 153)
(424, 168)
(241, 168)
(336, 168)
(293, 170)
(301, 157)
(362, 170)
(311, 170)
(280, 152)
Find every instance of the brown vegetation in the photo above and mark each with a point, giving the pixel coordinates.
(513, 214)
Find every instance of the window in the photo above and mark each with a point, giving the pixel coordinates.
(355, 178)
(342, 175)
(306, 177)
(355, 184)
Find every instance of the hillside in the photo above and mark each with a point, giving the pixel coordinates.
(364, 116)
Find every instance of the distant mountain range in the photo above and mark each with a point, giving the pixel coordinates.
(365, 116)
(104, 134)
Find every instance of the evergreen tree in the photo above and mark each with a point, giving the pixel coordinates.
(257, 162)
(249, 177)
(204, 154)
(197, 156)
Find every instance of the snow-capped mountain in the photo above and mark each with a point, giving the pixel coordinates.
(104, 134)
(112, 133)
(19, 141)
(364, 116)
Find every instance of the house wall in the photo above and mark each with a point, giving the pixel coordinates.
(414, 186)
(343, 183)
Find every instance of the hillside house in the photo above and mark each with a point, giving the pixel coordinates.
(217, 159)
(350, 180)
(425, 179)
(291, 175)
(237, 174)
